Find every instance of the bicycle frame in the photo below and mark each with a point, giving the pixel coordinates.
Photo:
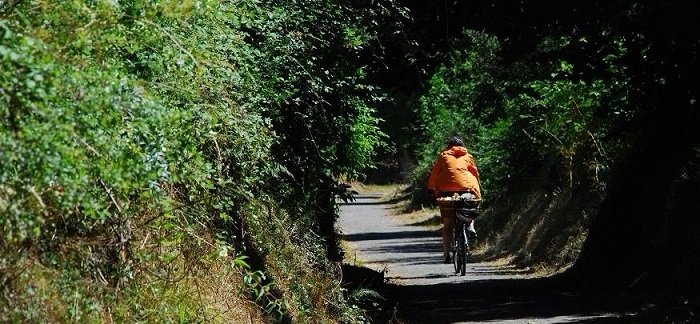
(460, 240)
(460, 246)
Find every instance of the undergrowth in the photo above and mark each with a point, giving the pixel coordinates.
(152, 167)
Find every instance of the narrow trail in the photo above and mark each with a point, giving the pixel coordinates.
(425, 290)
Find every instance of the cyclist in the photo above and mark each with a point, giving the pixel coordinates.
(454, 171)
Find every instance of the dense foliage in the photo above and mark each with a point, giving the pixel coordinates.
(523, 116)
(143, 144)
(575, 110)
(159, 159)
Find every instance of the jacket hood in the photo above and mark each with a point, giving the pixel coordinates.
(457, 151)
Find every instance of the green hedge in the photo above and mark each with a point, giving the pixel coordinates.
(136, 135)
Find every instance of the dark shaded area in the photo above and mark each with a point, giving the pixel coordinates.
(646, 231)
(521, 299)
(644, 239)
(356, 277)
(498, 300)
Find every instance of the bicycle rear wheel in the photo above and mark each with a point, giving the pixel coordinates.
(462, 257)
(459, 248)
(455, 247)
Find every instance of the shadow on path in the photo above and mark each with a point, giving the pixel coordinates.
(422, 289)
(388, 235)
(502, 301)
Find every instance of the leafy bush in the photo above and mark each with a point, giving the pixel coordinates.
(142, 140)
(520, 117)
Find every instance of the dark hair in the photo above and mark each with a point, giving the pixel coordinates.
(454, 141)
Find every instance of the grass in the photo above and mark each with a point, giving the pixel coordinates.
(60, 294)
(387, 191)
(426, 217)
(351, 254)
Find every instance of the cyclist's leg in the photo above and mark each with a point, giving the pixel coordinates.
(448, 219)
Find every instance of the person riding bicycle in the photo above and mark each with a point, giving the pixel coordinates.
(454, 171)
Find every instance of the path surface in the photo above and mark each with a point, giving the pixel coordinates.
(428, 291)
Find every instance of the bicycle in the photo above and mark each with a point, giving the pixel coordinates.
(466, 210)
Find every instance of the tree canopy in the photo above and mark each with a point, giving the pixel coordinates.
(144, 143)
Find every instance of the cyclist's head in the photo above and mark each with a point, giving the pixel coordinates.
(454, 141)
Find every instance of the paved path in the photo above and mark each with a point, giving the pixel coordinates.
(409, 255)
(428, 291)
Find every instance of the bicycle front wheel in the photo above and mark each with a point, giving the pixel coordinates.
(459, 248)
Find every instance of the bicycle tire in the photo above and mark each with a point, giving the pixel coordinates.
(464, 250)
(459, 248)
(455, 247)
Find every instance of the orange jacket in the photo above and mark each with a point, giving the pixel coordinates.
(454, 170)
